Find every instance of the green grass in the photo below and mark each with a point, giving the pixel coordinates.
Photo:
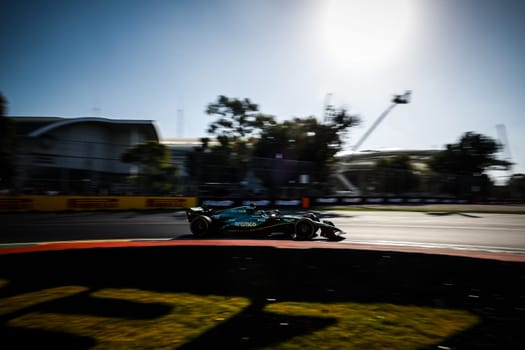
(375, 326)
(188, 317)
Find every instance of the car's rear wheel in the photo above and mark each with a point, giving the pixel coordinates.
(304, 229)
(200, 226)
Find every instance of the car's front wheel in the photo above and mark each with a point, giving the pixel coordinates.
(330, 233)
(200, 226)
(304, 229)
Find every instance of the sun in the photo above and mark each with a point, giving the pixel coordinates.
(365, 34)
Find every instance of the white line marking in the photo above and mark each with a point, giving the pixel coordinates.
(439, 245)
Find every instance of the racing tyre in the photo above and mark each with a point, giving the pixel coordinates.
(304, 229)
(200, 226)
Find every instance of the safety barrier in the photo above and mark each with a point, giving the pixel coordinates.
(307, 202)
(21, 203)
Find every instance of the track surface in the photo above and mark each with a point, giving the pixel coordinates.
(500, 235)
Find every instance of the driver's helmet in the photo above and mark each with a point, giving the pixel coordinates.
(275, 212)
(251, 208)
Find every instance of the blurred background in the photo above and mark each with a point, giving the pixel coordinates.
(263, 98)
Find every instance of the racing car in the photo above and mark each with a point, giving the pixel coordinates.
(250, 220)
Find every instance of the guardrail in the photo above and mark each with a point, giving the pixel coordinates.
(24, 203)
(306, 202)
(21, 203)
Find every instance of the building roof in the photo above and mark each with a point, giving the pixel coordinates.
(186, 142)
(351, 155)
(26, 125)
(36, 126)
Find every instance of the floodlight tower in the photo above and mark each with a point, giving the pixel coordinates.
(396, 100)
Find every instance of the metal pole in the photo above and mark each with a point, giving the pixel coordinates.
(398, 99)
(372, 128)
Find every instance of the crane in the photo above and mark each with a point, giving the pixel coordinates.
(396, 100)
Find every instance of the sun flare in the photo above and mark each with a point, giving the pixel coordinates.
(365, 34)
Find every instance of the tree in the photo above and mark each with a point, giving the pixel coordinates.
(302, 146)
(394, 175)
(238, 120)
(516, 186)
(474, 153)
(464, 163)
(214, 164)
(238, 124)
(340, 119)
(7, 146)
(156, 174)
(278, 152)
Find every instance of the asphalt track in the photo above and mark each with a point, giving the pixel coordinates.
(500, 236)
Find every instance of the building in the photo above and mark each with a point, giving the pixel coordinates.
(76, 155)
(354, 168)
(352, 175)
(365, 160)
(180, 147)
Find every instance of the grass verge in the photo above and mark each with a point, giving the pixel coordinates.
(235, 297)
(185, 317)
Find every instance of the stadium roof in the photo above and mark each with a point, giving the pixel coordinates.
(385, 152)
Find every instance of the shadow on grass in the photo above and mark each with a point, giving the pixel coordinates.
(84, 304)
(19, 338)
(255, 328)
(493, 290)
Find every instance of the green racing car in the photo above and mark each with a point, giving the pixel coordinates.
(248, 220)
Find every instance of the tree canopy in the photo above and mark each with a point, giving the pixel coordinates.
(516, 186)
(473, 154)
(301, 146)
(307, 138)
(394, 175)
(237, 120)
(299, 139)
(462, 165)
(155, 172)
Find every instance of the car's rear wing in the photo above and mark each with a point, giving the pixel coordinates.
(192, 213)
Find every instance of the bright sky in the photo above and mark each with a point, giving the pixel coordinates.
(162, 60)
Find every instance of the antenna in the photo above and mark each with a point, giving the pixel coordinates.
(180, 122)
(97, 111)
(327, 107)
(502, 136)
